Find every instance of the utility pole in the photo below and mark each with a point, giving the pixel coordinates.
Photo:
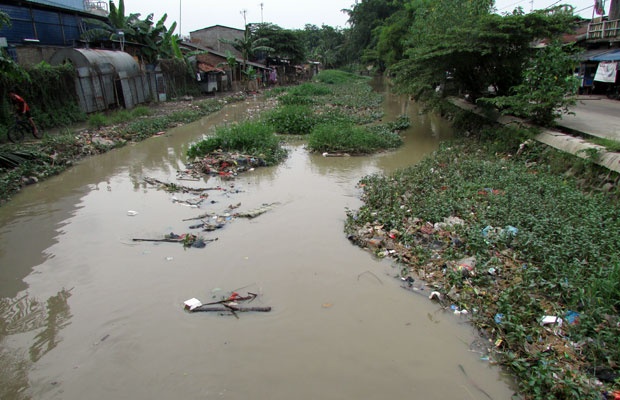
(261, 13)
(244, 12)
(180, 18)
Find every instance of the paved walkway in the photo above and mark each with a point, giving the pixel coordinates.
(595, 116)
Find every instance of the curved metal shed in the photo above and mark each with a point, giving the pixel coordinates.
(105, 78)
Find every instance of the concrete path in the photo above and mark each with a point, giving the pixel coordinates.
(595, 116)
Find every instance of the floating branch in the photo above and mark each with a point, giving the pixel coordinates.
(206, 308)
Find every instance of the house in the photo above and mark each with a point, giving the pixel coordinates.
(214, 71)
(40, 27)
(601, 58)
(211, 37)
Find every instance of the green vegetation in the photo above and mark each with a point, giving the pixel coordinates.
(49, 91)
(334, 113)
(438, 48)
(292, 119)
(609, 144)
(57, 152)
(542, 247)
(545, 92)
(348, 138)
(252, 138)
(99, 120)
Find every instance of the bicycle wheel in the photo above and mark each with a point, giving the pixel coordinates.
(16, 133)
(36, 132)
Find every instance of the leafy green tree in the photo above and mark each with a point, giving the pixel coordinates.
(364, 17)
(466, 46)
(388, 46)
(155, 40)
(547, 89)
(248, 45)
(324, 44)
(118, 22)
(285, 43)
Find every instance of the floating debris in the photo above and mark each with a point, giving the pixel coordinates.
(187, 239)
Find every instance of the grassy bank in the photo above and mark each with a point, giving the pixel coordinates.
(504, 238)
(29, 162)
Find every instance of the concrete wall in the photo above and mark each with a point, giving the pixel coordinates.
(210, 37)
(32, 55)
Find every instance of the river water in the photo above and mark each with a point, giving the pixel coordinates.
(87, 313)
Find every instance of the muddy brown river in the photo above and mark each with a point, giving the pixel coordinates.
(87, 313)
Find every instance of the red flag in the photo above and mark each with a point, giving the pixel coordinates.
(599, 7)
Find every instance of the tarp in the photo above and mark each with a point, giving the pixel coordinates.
(606, 72)
(612, 55)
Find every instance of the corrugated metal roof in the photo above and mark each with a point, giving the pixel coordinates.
(610, 55)
(204, 67)
(589, 55)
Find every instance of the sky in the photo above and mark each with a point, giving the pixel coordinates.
(192, 15)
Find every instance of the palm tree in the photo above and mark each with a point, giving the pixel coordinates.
(248, 46)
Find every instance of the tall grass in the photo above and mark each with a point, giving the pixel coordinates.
(252, 138)
(349, 138)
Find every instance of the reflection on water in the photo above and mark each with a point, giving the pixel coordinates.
(21, 316)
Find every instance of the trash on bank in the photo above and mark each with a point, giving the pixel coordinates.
(227, 165)
(572, 317)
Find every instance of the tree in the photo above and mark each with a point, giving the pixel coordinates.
(464, 44)
(283, 42)
(324, 44)
(364, 17)
(248, 45)
(155, 40)
(547, 88)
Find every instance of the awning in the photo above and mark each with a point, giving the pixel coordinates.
(589, 55)
(209, 68)
(611, 55)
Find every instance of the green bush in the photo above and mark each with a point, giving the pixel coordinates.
(252, 138)
(348, 138)
(97, 121)
(292, 119)
(310, 89)
(293, 99)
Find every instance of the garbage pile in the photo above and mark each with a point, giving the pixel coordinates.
(226, 165)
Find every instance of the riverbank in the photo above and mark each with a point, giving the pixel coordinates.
(36, 160)
(521, 250)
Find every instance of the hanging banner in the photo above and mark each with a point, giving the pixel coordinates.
(599, 7)
(606, 72)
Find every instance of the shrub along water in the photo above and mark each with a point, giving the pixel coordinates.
(252, 138)
(349, 138)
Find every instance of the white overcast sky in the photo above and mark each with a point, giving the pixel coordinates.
(192, 15)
